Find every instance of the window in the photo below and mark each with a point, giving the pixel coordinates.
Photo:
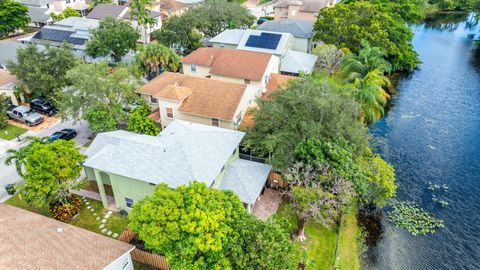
(67, 1)
(215, 122)
(170, 113)
(246, 81)
(125, 264)
(193, 68)
(153, 99)
(222, 45)
(129, 202)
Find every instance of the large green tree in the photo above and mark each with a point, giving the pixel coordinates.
(178, 32)
(52, 170)
(190, 225)
(114, 38)
(346, 25)
(99, 94)
(307, 107)
(43, 70)
(139, 122)
(3, 110)
(13, 16)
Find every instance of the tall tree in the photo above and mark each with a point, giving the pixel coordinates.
(346, 25)
(18, 156)
(178, 32)
(155, 58)
(43, 70)
(114, 38)
(329, 58)
(99, 94)
(3, 110)
(307, 107)
(190, 225)
(139, 11)
(13, 16)
(52, 170)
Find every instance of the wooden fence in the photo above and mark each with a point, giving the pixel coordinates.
(144, 256)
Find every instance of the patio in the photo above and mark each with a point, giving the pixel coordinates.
(268, 204)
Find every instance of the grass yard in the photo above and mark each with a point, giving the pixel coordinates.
(320, 243)
(347, 254)
(85, 219)
(10, 132)
(141, 266)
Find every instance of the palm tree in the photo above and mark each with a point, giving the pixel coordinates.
(365, 72)
(138, 9)
(18, 156)
(155, 58)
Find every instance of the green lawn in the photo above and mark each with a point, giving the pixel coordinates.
(141, 266)
(85, 219)
(347, 254)
(10, 132)
(320, 243)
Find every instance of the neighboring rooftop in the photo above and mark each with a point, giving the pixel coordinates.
(32, 241)
(265, 41)
(36, 3)
(294, 62)
(7, 78)
(306, 5)
(199, 96)
(103, 10)
(8, 51)
(246, 179)
(229, 36)
(39, 14)
(297, 28)
(181, 153)
(231, 62)
(276, 81)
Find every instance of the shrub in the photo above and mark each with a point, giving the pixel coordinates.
(65, 212)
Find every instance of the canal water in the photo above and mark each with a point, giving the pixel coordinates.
(432, 134)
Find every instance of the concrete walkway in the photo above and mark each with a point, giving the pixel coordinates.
(95, 196)
(268, 204)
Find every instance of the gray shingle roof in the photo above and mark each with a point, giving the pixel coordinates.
(35, 2)
(39, 14)
(9, 52)
(246, 179)
(297, 28)
(180, 154)
(297, 62)
(103, 10)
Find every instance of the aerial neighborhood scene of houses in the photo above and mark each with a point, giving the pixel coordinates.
(193, 134)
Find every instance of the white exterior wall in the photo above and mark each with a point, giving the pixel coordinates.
(61, 5)
(247, 100)
(123, 262)
(224, 45)
(202, 71)
(163, 105)
(302, 45)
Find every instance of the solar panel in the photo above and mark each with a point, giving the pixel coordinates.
(58, 35)
(264, 41)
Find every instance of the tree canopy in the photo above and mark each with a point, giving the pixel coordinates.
(138, 10)
(99, 94)
(68, 12)
(139, 122)
(307, 107)
(3, 110)
(43, 71)
(178, 33)
(13, 16)
(346, 25)
(51, 171)
(113, 37)
(154, 58)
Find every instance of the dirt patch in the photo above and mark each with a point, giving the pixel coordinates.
(92, 186)
(47, 122)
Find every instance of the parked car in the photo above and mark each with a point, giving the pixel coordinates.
(24, 115)
(64, 134)
(44, 107)
(262, 20)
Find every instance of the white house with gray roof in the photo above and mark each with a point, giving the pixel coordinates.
(132, 164)
(39, 10)
(302, 31)
(280, 44)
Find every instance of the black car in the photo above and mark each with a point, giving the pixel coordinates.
(64, 134)
(42, 106)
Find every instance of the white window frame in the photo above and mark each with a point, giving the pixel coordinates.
(166, 110)
(193, 68)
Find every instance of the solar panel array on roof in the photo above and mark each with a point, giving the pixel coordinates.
(58, 36)
(264, 41)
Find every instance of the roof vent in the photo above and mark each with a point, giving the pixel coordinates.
(59, 230)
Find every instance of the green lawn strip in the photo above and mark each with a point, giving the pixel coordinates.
(320, 243)
(10, 132)
(85, 218)
(347, 254)
(141, 266)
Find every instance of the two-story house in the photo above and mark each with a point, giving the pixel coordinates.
(280, 44)
(123, 12)
(237, 66)
(301, 30)
(39, 10)
(199, 100)
(133, 164)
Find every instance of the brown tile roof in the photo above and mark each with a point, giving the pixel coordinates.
(231, 62)
(31, 241)
(174, 92)
(276, 82)
(6, 77)
(103, 10)
(209, 97)
(171, 5)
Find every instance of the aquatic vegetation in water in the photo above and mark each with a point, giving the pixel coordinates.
(443, 203)
(409, 216)
(434, 187)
